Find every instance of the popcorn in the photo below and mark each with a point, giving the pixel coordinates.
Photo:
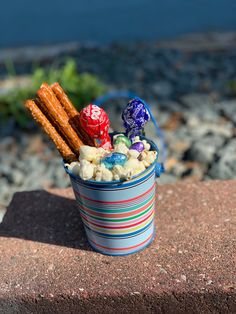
(87, 152)
(121, 148)
(147, 146)
(136, 139)
(103, 174)
(148, 157)
(132, 153)
(94, 162)
(74, 167)
(92, 154)
(86, 170)
(101, 151)
(134, 165)
(120, 173)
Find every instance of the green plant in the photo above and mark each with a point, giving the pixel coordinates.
(232, 86)
(81, 89)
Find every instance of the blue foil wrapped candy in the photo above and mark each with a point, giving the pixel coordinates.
(113, 159)
(135, 116)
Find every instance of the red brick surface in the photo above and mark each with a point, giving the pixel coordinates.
(46, 265)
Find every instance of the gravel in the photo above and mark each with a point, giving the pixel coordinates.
(192, 96)
(225, 166)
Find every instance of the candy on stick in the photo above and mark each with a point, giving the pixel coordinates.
(95, 122)
(60, 117)
(135, 116)
(72, 113)
(61, 145)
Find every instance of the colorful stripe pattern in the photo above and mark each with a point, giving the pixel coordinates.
(118, 218)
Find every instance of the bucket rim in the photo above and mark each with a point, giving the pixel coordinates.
(115, 182)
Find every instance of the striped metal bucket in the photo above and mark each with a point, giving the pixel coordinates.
(118, 217)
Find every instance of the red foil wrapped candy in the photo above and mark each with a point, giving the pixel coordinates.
(96, 123)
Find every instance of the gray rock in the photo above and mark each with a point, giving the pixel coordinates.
(17, 177)
(2, 212)
(166, 178)
(4, 190)
(196, 100)
(178, 169)
(162, 89)
(224, 130)
(205, 114)
(7, 142)
(169, 106)
(225, 168)
(228, 108)
(204, 149)
(161, 116)
(5, 170)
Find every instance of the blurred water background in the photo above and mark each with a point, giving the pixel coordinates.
(29, 22)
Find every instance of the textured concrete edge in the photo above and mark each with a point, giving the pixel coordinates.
(208, 299)
(206, 302)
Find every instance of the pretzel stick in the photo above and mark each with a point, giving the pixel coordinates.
(62, 147)
(72, 113)
(64, 100)
(59, 116)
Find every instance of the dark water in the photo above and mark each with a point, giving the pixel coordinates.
(48, 21)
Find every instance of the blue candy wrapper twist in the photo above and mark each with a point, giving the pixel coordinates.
(135, 116)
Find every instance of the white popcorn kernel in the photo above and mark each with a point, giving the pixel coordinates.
(87, 152)
(143, 155)
(134, 166)
(96, 160)
(92, 154)
(136, 139)
(107, 175)
(132, 153)
(148, 157)
(131, 163)
(98, 173)
(86, 170)
(120, 173)
(103, 174)
(121, 148)
(102, 152)
(147, 146)
(75, 168)
(145, 163)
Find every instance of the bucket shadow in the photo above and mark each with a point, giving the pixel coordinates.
(44, 217)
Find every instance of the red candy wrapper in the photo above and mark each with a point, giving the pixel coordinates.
(95, 122)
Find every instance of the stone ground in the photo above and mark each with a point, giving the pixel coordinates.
(192, 93)
(47, 265)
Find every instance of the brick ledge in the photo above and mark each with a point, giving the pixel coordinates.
(48, 267)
